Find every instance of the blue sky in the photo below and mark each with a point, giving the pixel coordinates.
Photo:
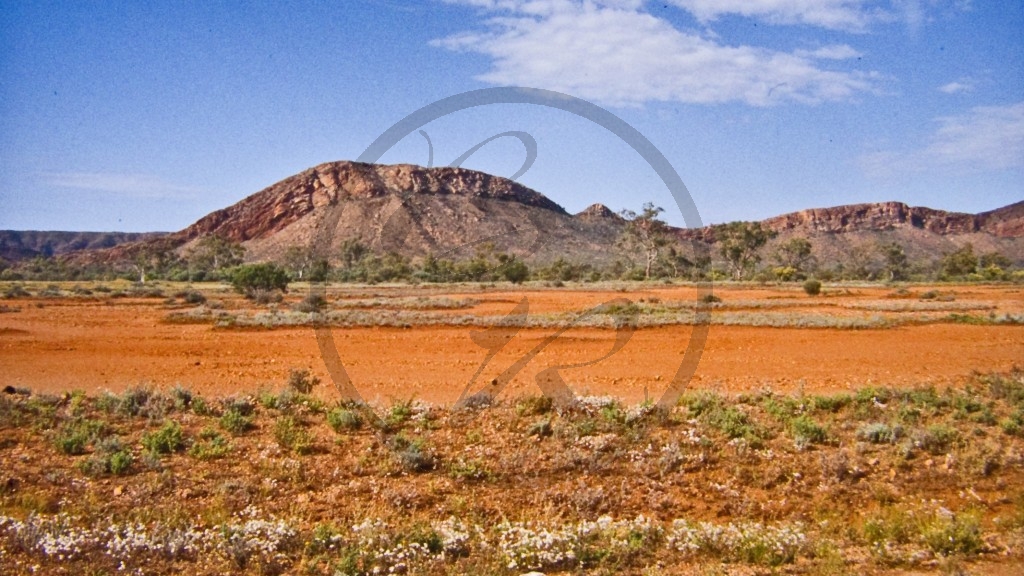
(119, 116)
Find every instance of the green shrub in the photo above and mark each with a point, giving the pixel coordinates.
(169, 438)
(935, 439)
(291, 435)
(191, 296)
(412, 454)
(73, 437)
(111, 457)
(311, 303)
(879, 433)
(341, 419)
(710, 299)
(831, 403)
(212, 448)
(946, 533)
(255, 279)
(812, 287)
(807, 431)
(234, 422)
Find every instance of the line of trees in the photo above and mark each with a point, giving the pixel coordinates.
(645, 250)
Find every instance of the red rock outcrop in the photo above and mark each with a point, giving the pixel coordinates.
(274, 208)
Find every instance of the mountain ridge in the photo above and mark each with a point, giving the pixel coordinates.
(414, 210)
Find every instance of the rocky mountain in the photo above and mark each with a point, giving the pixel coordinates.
(23, 245)
(450, 212)
(410, 210)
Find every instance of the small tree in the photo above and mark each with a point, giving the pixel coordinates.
(895, 260)
(739, 243)
(513, 269)
(960, 263)
(252, 279)
(646, 233)
(796, 254)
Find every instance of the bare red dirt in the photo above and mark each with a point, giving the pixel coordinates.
(55, 345)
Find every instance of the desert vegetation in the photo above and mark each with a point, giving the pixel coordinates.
(288, 480)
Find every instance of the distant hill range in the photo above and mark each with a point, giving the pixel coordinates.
(24, 245)
(449, 211)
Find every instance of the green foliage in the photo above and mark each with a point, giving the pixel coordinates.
(739, 243)
(412, 454)
(831, 403)
(960, 263)
(795, 255)
(234, 421)
(168, 439)
(645, 233)
(74, 436)
(290, 434)
(208, 259)
(254, 279)
(211, 447)
(729, 420)
(936, 439)
(342, 419)
(807, 431)
(812, 287)
(879, 433)
(513, 270)
(110, 457)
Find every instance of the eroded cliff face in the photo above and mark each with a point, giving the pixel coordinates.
(271, 210)
(880, 216)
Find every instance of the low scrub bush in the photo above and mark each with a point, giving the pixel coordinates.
(168, 439)
(344, 419)
(291, 435)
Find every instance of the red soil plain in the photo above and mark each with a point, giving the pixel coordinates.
(97, 342)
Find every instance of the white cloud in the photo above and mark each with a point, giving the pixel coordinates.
(617, 54)
(849, 15)
(132, 185)
(957, 87)
(832, 52)
(985, 138)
